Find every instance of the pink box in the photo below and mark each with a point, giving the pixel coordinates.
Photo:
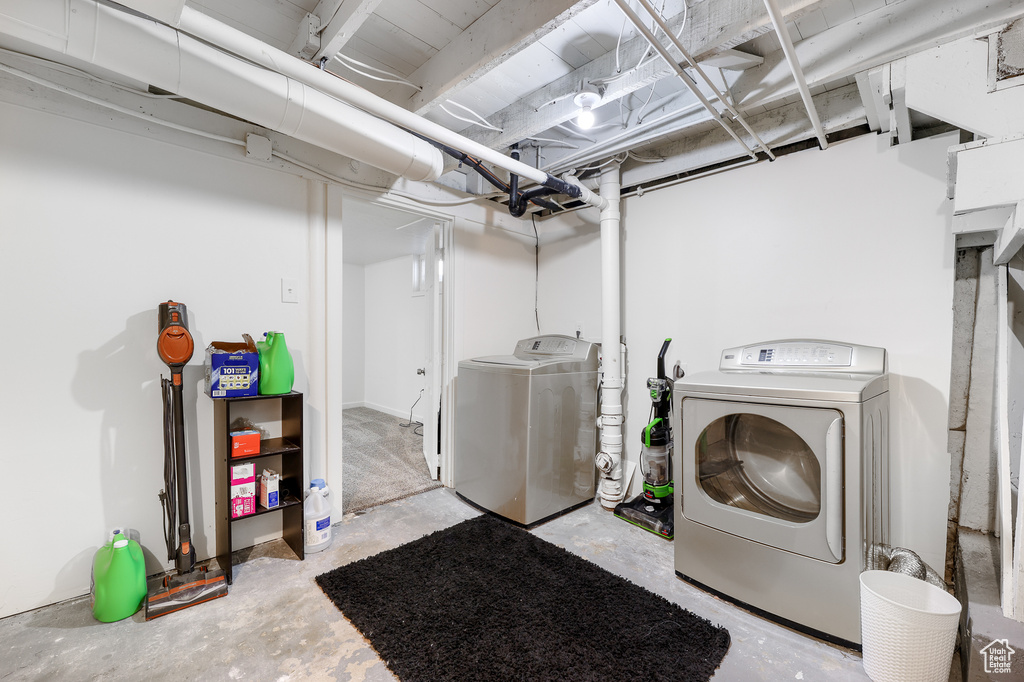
(243, 489)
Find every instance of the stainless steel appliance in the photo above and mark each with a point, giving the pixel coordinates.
(783, 484)
(525, 434)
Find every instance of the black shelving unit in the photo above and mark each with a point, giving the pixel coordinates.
(288, 447)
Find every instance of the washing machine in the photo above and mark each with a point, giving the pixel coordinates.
(782, 488)
(525, 434)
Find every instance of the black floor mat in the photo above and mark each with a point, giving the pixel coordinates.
(485, 600)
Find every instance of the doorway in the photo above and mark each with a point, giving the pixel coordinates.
(392, 331)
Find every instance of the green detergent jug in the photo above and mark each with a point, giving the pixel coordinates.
(118, 579)
(277, 373)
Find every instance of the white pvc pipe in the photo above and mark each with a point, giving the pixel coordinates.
(609, 458)
(798, 73)
(153, 53)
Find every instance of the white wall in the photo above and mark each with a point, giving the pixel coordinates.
(353, 310)
(494, 296)
(395, 339)
(850, 244)
(97, 228)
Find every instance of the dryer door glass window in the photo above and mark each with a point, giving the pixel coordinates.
(752, 462)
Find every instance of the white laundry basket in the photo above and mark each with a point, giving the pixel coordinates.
(908, 628)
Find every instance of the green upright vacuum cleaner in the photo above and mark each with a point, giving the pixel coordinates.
(189, 585)
(653, 510)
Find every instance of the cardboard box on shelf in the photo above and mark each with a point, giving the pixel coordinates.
(245, 442)
(243, 489)
(232, 369)
(269, 482)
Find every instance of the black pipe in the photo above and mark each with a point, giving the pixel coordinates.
(513, 184)
(517, 206)
(551, 184)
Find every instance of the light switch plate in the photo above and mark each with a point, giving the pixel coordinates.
(289, 290)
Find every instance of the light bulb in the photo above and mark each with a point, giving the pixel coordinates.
(585, 120)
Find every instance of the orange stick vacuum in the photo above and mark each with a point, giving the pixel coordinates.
(190, 586)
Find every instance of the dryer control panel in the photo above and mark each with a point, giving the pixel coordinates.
(805, 355)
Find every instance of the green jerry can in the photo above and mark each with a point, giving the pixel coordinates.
(277, 372)
(118, 579)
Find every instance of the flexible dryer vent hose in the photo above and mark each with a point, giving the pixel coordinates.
(902, 560)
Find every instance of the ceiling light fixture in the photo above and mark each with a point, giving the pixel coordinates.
(586, 99)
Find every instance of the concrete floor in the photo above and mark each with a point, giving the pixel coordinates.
(276, 624)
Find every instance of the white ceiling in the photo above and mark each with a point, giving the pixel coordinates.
(518, 63)
(511, 68)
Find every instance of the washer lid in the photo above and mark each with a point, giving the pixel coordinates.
(510, 364)
(834, 386)
(513, 361)
(550, 354)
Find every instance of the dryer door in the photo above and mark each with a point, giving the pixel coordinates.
(772, 474)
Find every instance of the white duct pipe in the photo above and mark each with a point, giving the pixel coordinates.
(609, 459)
(198, 24)
(794, 65)
(153, 53)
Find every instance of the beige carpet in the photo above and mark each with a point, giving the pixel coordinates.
(381, 461)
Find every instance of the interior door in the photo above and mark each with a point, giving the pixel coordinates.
(433, 283)
(772, 474)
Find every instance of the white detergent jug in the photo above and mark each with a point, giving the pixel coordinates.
(317, 516)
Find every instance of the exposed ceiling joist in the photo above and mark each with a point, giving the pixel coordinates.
(505, 30)
(710, 27)
(878, 38)
(839, 109)
(340, 20)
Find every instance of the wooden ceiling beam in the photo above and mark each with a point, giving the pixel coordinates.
(711, 27)
(340, 19)
(502, 32)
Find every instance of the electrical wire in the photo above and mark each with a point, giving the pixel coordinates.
(485, 124)
(553, 141)
(476, 115)
(644, 159)
(415, 424)
(640, 114)
(395, 78)
(614, 159)
(618, 43)
(536, 272)
(647, 53)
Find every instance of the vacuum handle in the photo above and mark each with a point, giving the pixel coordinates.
(661, 359)
(185, 558)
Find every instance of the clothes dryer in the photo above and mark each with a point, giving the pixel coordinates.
(525, 434)
(783, 483)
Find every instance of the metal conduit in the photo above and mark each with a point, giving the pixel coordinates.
(652, 39)
(798, 73)
(660, 21)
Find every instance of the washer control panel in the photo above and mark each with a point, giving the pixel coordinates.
(553, 347)
(805, 355)
(547, 345)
